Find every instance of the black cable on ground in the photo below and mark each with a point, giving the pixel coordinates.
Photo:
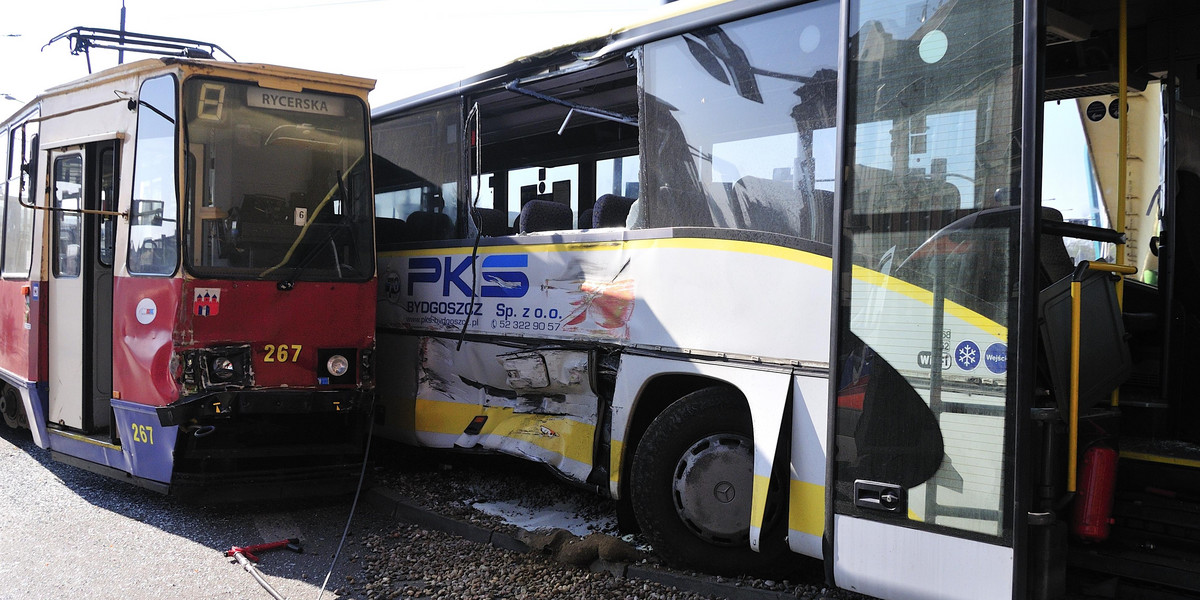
(361, 478)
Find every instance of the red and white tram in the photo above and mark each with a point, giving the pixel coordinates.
(188, 290)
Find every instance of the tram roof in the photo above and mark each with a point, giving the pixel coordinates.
(668, 20)
(277, 76)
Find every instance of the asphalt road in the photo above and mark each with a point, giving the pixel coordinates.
(68, 533)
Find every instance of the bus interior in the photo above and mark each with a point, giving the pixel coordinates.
(1151, 419)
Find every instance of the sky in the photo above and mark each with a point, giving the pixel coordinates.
(408, 46)
(1064, 156)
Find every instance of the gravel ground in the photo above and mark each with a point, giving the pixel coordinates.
(409, 562)
(81, 535)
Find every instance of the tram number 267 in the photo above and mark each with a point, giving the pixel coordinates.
(143, 433)
(282, 352)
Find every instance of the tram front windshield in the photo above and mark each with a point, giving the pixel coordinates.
(277, 183)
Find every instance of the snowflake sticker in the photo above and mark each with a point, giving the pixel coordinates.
(966, 355)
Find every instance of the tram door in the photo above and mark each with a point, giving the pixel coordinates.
(81, 281)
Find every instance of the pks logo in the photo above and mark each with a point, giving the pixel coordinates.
(496, 281)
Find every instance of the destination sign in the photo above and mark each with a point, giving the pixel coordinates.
(295, 102)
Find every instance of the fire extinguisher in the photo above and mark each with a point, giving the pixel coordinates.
(1091, 517)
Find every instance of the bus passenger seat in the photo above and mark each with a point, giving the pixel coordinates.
(490, 222)
(772, 205)
(1054, 261)
(1105, 362)
(585, 219)
(432, 224)
(545, 215)
(389, 232)
(611, 211)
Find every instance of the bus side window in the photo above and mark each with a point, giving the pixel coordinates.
(711, 169)
(416, 175)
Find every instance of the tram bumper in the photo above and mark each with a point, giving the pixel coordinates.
(329, 481)
(262, 444)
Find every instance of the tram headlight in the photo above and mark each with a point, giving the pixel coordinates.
(337, 365)
(222, 369)
(213, 368)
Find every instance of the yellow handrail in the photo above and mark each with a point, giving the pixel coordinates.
(1076, 319)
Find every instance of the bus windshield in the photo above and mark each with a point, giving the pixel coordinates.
(277, 183)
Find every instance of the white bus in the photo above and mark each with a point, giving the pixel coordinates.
(778, 277)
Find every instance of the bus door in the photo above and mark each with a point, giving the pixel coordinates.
(81, 281)
(919, 500)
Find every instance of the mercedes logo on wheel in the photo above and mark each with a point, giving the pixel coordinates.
(724, 492)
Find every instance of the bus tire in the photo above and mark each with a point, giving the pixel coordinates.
(691, 481)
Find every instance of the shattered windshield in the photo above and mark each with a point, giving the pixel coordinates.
(278, 184)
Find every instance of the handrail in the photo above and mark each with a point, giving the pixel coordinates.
(1082, 232)
(1076, 319)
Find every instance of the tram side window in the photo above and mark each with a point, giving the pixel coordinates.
(68, 195)
(738, 125)
(18, 224)
(108, 202)
(417, 166)
(153, 225)
(4, 142)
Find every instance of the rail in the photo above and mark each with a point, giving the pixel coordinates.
(1076, 322)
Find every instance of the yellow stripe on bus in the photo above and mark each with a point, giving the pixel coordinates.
(614, 460)
(758, 502)
(566, 437)
(806, 510)
(899, 286)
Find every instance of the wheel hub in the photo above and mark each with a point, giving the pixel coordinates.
(10, 407)
(713, 483)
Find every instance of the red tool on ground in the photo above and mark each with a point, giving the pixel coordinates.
(245, 554)
(292, 544)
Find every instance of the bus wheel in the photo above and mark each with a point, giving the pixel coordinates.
(10, 407)
(691, 482)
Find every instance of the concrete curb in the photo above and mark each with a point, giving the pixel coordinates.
(400, 508)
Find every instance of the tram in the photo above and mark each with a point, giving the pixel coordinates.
(188, 287)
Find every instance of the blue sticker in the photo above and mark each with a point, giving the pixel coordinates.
(34, 289)
(996, 358)
(966, 355)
